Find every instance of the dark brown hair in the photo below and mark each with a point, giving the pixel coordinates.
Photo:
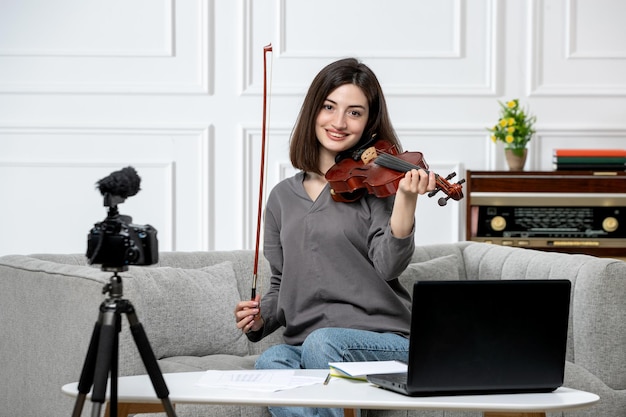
(304, 147)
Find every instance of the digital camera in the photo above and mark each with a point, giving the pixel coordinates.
(115, 243)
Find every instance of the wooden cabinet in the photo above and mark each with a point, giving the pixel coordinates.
(565, 211)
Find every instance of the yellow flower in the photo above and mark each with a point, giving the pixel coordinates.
(514, 126)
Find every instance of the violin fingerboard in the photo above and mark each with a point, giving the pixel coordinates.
(395, 163)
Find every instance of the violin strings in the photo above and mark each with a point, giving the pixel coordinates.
(395, 163)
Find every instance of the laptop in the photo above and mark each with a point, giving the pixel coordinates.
(484, 337)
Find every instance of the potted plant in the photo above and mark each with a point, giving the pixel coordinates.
(515, 129)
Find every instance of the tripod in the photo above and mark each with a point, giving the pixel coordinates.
(103, 353)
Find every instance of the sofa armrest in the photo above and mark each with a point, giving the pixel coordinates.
(597, 333)
(599, 321)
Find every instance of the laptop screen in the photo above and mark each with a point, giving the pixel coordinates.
(493, 336)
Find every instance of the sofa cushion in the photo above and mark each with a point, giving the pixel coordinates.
(187, 312)
(443, 268)
(204, 363)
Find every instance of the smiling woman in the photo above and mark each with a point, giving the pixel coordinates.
(338, 127)
(335, 266)
(341, 121)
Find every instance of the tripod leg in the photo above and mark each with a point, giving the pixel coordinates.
(149, 361)
(86, 376)
(103, 364)
(114, 406)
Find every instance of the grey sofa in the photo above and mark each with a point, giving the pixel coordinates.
(49, 304)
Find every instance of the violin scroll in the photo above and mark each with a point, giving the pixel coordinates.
(452, 191)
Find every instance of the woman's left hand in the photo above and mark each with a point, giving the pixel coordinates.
(417, 182)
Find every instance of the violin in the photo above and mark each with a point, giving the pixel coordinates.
(378, 170)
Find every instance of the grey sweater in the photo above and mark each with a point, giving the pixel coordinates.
(333, 264)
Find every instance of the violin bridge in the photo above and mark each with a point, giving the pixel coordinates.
(369, 155)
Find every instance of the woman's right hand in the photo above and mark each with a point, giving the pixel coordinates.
(247, 315)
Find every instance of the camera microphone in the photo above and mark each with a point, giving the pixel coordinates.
(123, 183)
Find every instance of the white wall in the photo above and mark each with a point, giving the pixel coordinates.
(173, 88)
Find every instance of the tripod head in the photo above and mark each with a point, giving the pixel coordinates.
(114, 288)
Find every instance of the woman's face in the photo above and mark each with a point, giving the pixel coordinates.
(342, 118)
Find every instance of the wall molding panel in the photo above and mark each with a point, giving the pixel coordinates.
(588, 40)
(178, 63)
(108, 35)
(371, 44)
(562, 59)
(414, 69)
(173, 197)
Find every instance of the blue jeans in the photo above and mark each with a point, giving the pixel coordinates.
(331, 345)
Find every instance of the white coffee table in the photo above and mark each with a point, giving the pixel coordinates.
(342, 393)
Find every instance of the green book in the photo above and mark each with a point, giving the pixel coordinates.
(589, 160)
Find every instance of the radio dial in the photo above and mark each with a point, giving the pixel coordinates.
(610, 224)
(498, 223)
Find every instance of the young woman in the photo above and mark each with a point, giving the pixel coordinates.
(335, 265)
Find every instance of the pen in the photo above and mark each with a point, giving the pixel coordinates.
(327, 380)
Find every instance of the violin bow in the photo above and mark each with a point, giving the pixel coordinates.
(266, 49)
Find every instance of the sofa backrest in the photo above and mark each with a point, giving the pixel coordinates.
(597, 318)
(176, 320)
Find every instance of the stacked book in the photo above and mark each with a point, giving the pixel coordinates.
(589, 159)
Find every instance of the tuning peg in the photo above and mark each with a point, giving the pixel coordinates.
(443, 201)
(450, 176)
(433, 192)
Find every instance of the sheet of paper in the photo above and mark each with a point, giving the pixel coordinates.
(360, 369)
(257, 380)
